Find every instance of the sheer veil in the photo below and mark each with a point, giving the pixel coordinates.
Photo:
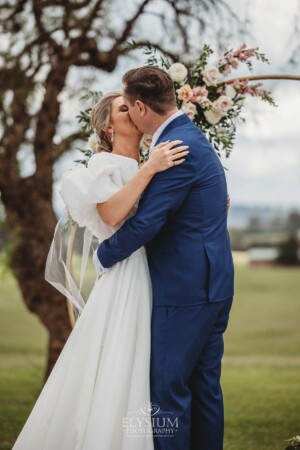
(68, 237)
(82, 188)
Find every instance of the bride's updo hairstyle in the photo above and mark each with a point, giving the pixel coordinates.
(101, 119)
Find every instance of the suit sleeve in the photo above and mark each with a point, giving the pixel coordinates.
(162, 198)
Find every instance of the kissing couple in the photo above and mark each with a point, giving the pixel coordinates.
(141, 368)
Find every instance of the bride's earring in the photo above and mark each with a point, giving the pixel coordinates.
(112, 136)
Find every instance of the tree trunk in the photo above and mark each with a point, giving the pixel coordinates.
(32, 234)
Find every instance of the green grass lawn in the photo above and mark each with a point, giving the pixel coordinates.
(261, 366)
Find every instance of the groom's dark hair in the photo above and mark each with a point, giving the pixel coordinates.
(151, 85)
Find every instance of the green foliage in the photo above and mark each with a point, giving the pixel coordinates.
(289, 252)
(201, 62)
(83, 118)
(154, 57)
(89, 99)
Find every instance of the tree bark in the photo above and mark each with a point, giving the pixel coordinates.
(31, 220)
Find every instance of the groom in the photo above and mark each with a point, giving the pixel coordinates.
(182, 221)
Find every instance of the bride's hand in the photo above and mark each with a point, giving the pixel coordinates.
(164, 156)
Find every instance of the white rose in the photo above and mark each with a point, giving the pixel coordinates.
(93, 142)
(223, 104)
(212, 116)
(230, 91)
(189, 109)
(178, 72)
(210, 75)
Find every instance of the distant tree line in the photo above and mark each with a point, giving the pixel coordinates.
(280, 232)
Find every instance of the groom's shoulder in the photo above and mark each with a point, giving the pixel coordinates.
(202, 155)
(193, 136)
(188, 130)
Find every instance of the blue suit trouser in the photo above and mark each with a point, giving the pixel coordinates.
(186, 351)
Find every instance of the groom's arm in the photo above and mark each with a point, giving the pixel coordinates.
(162, 198)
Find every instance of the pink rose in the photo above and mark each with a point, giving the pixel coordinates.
(227, 69)
(233, 63)
(196, 90)
(200, 94)
(223, 104)
(250, 53)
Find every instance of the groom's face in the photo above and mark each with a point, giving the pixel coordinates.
(137, 112)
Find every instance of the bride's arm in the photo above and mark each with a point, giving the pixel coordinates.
(116, 209)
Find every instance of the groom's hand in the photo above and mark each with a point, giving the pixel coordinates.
(228, 202)
(98, 266)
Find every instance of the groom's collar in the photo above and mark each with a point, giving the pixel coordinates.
(178, 118)
(159, 130)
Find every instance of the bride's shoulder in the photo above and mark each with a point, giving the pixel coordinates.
(99, 163)
(103, 162)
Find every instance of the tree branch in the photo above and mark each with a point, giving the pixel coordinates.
(88, 54)
(139, 44)
(65, 144)
(130, 24)
(18, 9)
(38, 12)
(14, 130)
(86, 25)
(70, 5)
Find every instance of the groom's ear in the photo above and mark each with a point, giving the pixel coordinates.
(141, 107)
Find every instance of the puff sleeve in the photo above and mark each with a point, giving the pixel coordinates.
(83, 187)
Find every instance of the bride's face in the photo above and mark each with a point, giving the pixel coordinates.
(121, 122)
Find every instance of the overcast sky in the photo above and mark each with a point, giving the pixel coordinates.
(264, 168)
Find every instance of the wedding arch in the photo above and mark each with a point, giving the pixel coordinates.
(74, 228)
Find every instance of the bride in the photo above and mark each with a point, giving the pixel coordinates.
(98, 393)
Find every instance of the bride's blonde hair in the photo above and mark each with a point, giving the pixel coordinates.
(101, 118)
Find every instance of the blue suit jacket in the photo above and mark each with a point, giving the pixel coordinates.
(182, 221)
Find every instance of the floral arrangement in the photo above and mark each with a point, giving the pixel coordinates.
(202, 92)
(212, 102)
(294, 443)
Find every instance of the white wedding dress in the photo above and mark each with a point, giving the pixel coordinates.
(100, 385)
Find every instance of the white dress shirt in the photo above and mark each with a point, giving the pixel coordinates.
(99, 267)
(159, 130)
